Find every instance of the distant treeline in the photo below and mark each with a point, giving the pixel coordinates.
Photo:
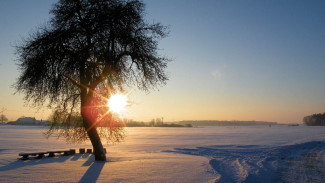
(224, 123)
(315, 120)
(154, 124)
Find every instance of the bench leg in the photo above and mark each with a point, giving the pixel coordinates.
(25, 157)
(51, 154)
(89, 151)
(72, 151)
(40, 156)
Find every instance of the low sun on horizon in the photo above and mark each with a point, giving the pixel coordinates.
(117, 103)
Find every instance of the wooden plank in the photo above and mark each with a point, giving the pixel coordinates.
(25, 156)
(65, 153)
(32, 154)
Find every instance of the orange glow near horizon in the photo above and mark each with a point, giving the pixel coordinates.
(117, 103)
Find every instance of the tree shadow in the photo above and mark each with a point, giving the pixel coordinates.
(20, 163)
(89, 162)
(93, 172)
(3, 150)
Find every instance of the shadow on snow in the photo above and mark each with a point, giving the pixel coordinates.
(91, 175)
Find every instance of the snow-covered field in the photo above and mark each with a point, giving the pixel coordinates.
(210, 154)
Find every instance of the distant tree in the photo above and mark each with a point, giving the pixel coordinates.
(159, 122)
(315, 120)
(3, 118)
(152, 122)
(89, 50)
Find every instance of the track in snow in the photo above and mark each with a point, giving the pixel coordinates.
(294, 163)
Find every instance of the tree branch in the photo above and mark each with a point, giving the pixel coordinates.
(73, 81)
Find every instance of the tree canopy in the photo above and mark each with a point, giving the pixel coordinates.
(88, 43)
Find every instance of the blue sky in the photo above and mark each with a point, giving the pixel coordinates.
(232, 60)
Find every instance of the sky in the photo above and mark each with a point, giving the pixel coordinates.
(231, 60)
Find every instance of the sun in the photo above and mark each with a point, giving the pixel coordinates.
(117, 103)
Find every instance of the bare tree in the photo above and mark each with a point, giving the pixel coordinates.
(3, 118)
(90, 49)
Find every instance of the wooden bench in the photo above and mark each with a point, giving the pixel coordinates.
(51, 154)
(25, 156)
(65, 153)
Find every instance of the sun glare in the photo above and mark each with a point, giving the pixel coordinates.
(117, 103)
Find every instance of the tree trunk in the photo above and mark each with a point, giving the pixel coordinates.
(99, 152)
(95, 140)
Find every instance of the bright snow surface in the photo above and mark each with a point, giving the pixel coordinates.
(211, 154)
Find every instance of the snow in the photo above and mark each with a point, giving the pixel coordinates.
(211, 154)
